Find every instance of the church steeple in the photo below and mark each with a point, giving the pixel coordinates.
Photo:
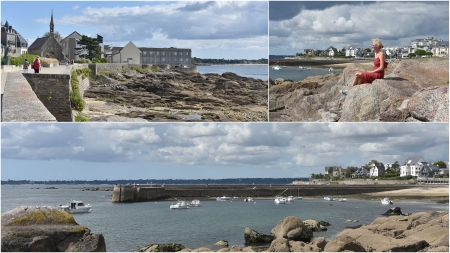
(52, 26)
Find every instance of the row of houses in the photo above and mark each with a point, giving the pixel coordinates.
(413, 166)
(69, 49)
(437, 47)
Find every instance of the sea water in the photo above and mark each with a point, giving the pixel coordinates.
(128, 227)
(295, 74)
(253, 71)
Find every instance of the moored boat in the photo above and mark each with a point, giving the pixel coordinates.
(280, 200)
(76, 206)
(223, 198)
(249, 199)
(180, 205)
(343, 200)
(195, 203)
(329, 199)
(386, 201)
(290, 199)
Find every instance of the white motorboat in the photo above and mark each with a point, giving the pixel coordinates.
(76, 206)
(249, 199)
(195, 203)
(343, 200)
(280, 200)
(276, 67)
(308, 68)
(180, 205)
(290, 199)
(300, 67)
(298, 198)
(329, 199)
(386, 201)
(331, 69)
(223, 198)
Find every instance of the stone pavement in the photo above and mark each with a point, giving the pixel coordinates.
(19, 102)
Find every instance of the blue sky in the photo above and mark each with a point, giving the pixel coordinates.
(298, 25)
(94, 151)
(230, 30)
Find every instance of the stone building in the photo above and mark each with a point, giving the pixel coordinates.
(171, 56)
(148, 55)
(47, 45)
(18, 44)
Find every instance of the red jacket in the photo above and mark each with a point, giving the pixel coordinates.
(36, 65)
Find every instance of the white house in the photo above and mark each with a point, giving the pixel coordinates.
(411, 166)
(377, 171)
(128, 54)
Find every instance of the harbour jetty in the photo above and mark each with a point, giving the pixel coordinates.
(141, 193)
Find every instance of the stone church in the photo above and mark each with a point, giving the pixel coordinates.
(47, 45)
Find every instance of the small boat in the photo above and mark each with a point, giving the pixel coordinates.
(249, 199)
(329, 199)
(76, 206)
(298, 198)
(195, 203)
(331, 69)
(180, 205)
(308, 68)
(386, 201)
(223, 198)
(290, 199)
(300, 67)
(276, 67)
(280, 200)
(343, 200)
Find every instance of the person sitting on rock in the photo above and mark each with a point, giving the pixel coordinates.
(379, 63)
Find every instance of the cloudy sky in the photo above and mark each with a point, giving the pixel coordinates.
(223, 29)
(89, 151)
(295, 26)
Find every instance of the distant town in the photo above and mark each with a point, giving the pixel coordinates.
(425, 47)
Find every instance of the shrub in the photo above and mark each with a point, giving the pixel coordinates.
(18, 61)
(80, 118)
(83, 61)
(99, 60)
(76, 100)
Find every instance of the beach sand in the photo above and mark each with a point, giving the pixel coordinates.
(419, 192)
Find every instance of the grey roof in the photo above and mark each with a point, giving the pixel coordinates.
(414, 160)
(71, 34)
(442, 44)
(21, 39)
(361, 171)
(38, 43)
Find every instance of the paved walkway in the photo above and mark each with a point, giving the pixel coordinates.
(19, 102)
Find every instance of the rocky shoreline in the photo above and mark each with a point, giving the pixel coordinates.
(420, 232)
(414, 90)
(175, 96)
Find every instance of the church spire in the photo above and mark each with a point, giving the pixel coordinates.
(52, 26)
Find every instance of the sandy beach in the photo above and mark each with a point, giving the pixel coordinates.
(419, 192)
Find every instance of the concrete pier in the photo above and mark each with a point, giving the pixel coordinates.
(140, 193)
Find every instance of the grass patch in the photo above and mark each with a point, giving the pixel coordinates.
(80, 118)
(76, 100)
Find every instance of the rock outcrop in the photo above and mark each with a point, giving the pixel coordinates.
(46, 229)
(177, 96)
(252, 236)
(393, 211)
(314, 225)
(396, 233)
(412, 91)
(292, 228)
(162, 248)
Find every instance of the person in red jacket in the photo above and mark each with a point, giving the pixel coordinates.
(36, 65)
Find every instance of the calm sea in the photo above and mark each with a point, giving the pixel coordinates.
(128, 227)
(296, 74)
(253, 71)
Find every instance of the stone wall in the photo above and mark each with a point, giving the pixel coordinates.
(128, 193)
(53, 91)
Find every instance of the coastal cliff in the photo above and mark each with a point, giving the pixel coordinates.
(413, 90)
(46, 229)
(176, 96)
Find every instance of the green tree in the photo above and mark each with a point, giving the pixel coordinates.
(92, 46)
(396, 165)
(57, 36)
(420, 52)
(411, 55)
(441, 164)
(368, 50)
(429, 54)
(349, 171)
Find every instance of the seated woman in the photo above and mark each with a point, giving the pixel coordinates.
(379, 63)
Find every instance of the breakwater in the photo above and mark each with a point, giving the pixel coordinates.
(140, 193)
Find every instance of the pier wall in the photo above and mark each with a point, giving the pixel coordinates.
(129, 193)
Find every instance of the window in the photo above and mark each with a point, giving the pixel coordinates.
(157, 53)
(174, 53)
(163, 59)
(145, 52)
(187, 59)
(181, 59)
(151, 52)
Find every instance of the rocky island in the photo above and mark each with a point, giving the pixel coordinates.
(176, 96)
(413, 90)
